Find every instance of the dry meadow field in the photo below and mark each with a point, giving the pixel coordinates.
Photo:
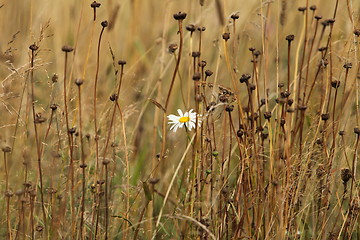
(179, 119)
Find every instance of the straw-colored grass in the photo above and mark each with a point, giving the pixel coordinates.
(85, 95)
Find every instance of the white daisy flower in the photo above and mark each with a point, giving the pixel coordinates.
(188, 119)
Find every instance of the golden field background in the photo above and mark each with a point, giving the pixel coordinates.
(140, 33)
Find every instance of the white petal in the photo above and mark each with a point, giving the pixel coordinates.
(176, 127)
(173, 126)
(180, 113)
(173, 117)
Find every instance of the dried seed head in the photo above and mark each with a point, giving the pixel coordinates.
(9, 194)
(282, 122)
(357, 32)
(195, 54)
(264, 135)
(290, 38)
(83, 165)
(104, 24)
(113, 97)
(39, 228)
(79, 81)
(6, 149)
(226, 36)
(313, 7)
(251, 49)
(325, 23)
(267, 115)
(290, 110)
(196, 76)
(322, 49)
(257, 53)
(54, 78)
(72, 130)
(285, 94)
(179, 16)
(280, 100)
(262, 102)
(331, 21)
(67, 49)
(259, 129)
(229, 108)
(281, 85)
(345, 175)
(106, 161)
(357, 131)
(223, 98)
(191, 28)
(100, 182)
(325, 116)
(208, 73)
(302, 9)
(95, 4)
(317, 17)
(348, 65)
(33, 47)
(335, 84)
(173, 47)
(342, 133)
(121, 62)
(53, 107)
(39, 118)
(201, 29)
(245, 78)
(235, 16)
(202, 64)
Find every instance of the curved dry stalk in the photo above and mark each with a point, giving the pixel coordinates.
(170, 186)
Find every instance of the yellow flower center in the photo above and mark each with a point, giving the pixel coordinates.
(184, 119)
